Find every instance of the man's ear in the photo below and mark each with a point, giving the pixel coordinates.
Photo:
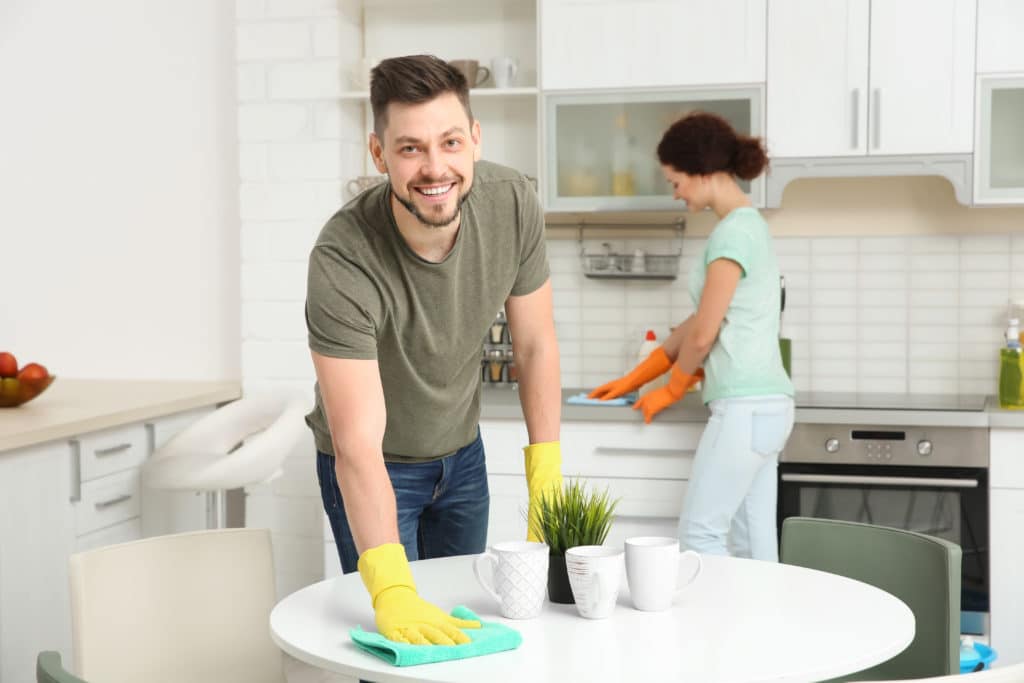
(474, 132)
(377, 153)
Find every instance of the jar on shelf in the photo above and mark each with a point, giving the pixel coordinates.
(497, 332)
(495, 366)
(511, 371)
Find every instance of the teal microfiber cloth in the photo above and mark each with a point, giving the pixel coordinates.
(488, 639)
(581, 399)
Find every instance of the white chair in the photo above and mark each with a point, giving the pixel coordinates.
(240, 444)
(186, 607)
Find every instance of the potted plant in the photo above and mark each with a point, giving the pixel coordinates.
(567, 518)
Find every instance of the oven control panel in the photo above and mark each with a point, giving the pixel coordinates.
(866, 444)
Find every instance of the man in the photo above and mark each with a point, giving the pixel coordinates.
(404, 282)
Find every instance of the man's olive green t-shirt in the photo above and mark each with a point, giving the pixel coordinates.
(369, 296)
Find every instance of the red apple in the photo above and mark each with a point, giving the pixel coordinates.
(8, 365)
(33, 371)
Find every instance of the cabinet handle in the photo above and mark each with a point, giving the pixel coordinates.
(614, 450)
(103, 452)
(76, 472)
(855, 117)
(103, 505)
(878, 117)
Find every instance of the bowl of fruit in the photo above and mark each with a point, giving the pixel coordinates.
(19, 386)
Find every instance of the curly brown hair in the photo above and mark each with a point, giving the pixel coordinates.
(702, 143)
(412, 80)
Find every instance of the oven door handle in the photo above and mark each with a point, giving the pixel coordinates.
(881, 481)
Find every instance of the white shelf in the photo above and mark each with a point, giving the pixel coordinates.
(475, 92)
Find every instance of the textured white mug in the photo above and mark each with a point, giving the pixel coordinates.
(652, 571)
(520, 571)
(503, 71)
(595, 572)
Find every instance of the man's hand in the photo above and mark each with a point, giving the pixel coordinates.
(401, 614)
(655, 365)
(543, 476)
(653, 402)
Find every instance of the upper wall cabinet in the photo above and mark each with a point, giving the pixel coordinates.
(587, 44)
(877, 77)
(1000, 33)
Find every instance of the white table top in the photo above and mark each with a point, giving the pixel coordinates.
(741, 620)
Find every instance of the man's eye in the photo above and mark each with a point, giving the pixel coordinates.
(408, 149)
(453, 143)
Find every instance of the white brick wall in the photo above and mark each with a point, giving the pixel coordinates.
(873, 314)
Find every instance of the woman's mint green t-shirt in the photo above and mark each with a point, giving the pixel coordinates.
(745, 359)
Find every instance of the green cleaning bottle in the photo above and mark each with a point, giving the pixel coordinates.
(1011, 377)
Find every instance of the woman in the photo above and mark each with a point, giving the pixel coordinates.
(734, 334)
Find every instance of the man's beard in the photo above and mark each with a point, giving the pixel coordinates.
(429, 221)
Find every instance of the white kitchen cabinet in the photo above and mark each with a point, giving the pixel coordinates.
(170, 512)
(1006, 519)
(999, 145)
(645, 466)
(622, 172)
(845, 79)
(36, 536)
(1000, 27)
(587, 44)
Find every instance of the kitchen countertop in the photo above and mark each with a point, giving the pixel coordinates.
(503, 403)
(78, 406)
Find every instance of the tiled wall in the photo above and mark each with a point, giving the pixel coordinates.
(872, 314)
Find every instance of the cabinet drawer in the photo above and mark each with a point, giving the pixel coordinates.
(107, 500)
(111, 450)
(621, 449)
(123, 532)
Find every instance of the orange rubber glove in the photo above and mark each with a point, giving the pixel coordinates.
(401, 614)
(653, 402)
(655, 365)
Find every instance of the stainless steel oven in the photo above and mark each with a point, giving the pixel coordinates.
(933, 480)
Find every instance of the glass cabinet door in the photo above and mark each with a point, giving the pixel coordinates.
(999, 149)
(600, 148)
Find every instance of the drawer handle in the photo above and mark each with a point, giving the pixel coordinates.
(103, 452)
(612, 450)
(103, 505)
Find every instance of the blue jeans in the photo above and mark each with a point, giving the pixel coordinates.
(733, 489)
(442, 505)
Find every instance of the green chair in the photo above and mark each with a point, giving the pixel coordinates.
(50, 670)
(922, 571)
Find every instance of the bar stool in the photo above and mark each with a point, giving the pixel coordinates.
(243, 443)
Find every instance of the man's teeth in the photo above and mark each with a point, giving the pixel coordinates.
(435, 190)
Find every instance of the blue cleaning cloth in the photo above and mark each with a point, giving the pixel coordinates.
(488, 639)
(582, 400)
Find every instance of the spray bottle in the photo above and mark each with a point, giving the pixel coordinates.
(649, 344)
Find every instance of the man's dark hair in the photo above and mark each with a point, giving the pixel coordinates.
(412, 80)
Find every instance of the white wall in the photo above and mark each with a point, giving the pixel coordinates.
(118, 187)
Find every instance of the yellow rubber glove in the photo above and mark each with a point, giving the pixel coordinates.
(655, 365)
(543, 475)
(653, 402)
(402, 615)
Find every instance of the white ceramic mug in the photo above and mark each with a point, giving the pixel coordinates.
(595, 572)
(503, 71)
(652, 571)
(520, 577)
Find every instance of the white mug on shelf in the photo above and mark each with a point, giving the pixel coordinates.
(503, 71)
(595, 572)
(520, 577)
(652, 571)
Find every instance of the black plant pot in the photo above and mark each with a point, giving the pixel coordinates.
(559, 589)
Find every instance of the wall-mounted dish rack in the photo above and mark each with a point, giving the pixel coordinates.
(639, 265)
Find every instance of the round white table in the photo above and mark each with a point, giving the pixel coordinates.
(741, 620)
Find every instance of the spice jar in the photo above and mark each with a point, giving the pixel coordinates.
(498, 328)
(496, 366)
(511, 371)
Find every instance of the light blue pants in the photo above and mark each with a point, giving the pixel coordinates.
(732, 493)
